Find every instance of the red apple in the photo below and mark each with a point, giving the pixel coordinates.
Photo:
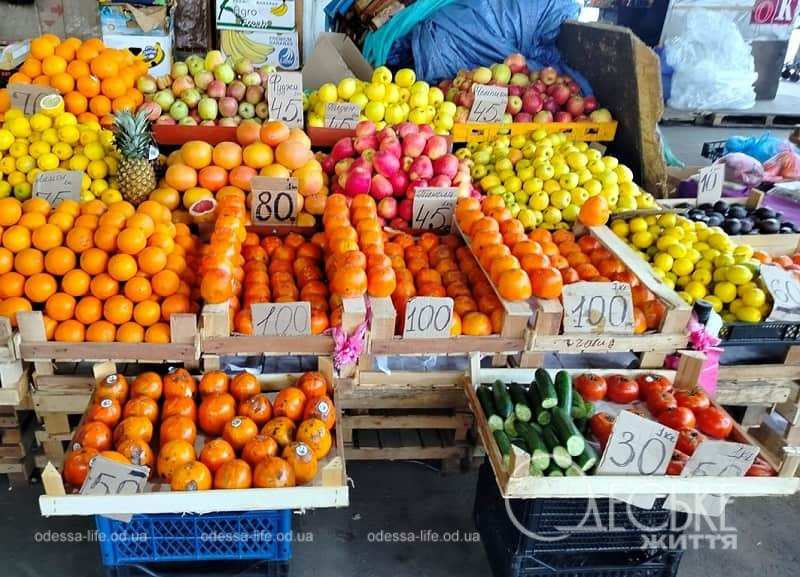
(574, 105)
(563, 116)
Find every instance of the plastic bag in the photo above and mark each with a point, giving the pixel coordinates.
(743, 169)
(762, 148)
(713, 65)
(784, 165)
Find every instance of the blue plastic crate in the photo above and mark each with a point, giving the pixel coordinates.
(264, 535)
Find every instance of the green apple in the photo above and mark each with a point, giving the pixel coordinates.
(527, 217)
(382, 75)
(405, 77)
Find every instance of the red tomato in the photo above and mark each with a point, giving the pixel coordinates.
(688, 440)
(652, 382)
(677, 418)
(677, 463)
(601, 425)
(693, 399)
(660, 401)
(621, 389)
(759, 470)
(591, 387)
(714, 422)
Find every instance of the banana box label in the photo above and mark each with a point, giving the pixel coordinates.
(276, 15)
(279, 49)
(155, 50)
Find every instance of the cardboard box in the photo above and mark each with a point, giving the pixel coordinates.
(279, 49)
(14, 54)
(334, 57)
(273, 15)
(147, 32)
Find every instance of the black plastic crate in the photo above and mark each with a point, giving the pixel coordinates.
(202, 569)
(599, 537)
(760, 333)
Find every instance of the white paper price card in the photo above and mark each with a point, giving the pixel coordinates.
(274, 200)
(637, 446)
(57, 185)
(720, 459)
(28, 97)
(709, 183)
(428, 317)
(341, 115)
(598, 307)
(285, 97)
(432, 208)
(489, 105)
(107, 477)
(281, 319)
(785, 292)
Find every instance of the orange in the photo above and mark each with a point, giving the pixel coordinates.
(70, 331)
(52, 65)
(227, 155)
(86, 52)
(123, 102)
(174, 304)
(292, 154)
(104, 66)
(118, 309)
(197, 154)
(122, 267)
(40, 287)
(32, 220)
(16, 238)
(152, 260)
(60, 306)
(12, 284)
(94, 261)
(141, 221)
(87, 221)
(65, 51)
(99, 104)
(63, 82)
(147, 312)
(62, 220)
(101, 331)
(257, 155)
(79, 69)
(138, 289)
(31, 68)
(79, 239)
(6, 260)
(103, 286)
(274, 132)
(89, 310)
(95, 207)
(105, 238)
(29, 261)
(165, 283)
(181, 177)
(113, 87)
(158, 333)
(10, 211)
(47, 236)
(131, 241)
(130, 332)
(76, 103)
(36, 204)
(41, 48)
(75, 282)
(20, 78)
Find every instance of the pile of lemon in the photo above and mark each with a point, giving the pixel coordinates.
(545, 179)
(54, 140)
(700, 262)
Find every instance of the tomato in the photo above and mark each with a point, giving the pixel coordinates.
(760, 470)
(714, 422)
(591, 387)
(677, 463)
(693, 399)
(652, 382)
(677, 418)
(601, 425)
(688, 440)
(660, 401)
(621, 389)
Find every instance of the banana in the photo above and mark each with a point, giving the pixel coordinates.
(159, 57)
(239, 44)
(280, 10)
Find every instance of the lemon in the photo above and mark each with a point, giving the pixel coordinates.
(664, 242)
(111, 195)
(69, 134)
(62, 150)
(720, 274)
(678, 251)
(637, 224)
(52, 105)
(754, 297)
(7, 165)
(107, 138)
(65, 119)
(78, 162)
(748, 314)
(19, 127)
(88, 136)
(620, 228)
(93, 151)
(741, 289)
(6, 139)
(571, 212)
(743, 251)
(15, 178)
(724, 259)
(38, 148)
(686, 296)
(683, 266)
(669, 282)
(98, 186)
(703, 276)
(716, 304)
(719, 241)
(683, 280)
(577, 160)
(25, 163)
(97, 169)
(725, 291)
(86, 196)
(40, 122)
(13, 113)
(663, 261)
(739, 274)
(693, 255)
(642, 239)
(86, 182)
(32, 174)
(696, 289)
(47, 161)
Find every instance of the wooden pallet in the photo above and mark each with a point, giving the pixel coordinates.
(405, 416)
(16, 462)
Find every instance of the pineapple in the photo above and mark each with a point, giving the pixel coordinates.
(133, 140)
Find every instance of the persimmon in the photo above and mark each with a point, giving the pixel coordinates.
(259, 448)
(179, 383)
(314, 433)
(244, 385)
(301, 458)
(282, 429)
(215, 411)
(238, 431)
(177, 427)
(216, 453)
(192, 476)
(172, 456)
(95, 435)
(135, 427)
(273, 472)
(184, 406)
(234, 474)
(141, 407)
(112, 387)
(137, 451)
(213, 382)
(107, 411)
(76, 465)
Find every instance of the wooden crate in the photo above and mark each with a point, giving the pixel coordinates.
(404, 415)
(582, 131)
(9, 341)
(16, 461)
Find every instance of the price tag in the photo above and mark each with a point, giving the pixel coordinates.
(274, 200)
(57, 185)
(637, 446)
(598, 146)
(281, 319)
(785, 292)
(285, 94)
(489, 105)
(27, 97)
(341, 115)
(428, 317)
(709, 183)
(432, 208)
(107, 477)
(598, 307)
(720, 459)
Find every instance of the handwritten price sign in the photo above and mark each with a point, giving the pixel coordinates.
(107, 477)
(720, 459)
(709, 183)
(28, 97)
(281, 319)
(274, 200)
(57, 185)
(592, 307)
(428, 317)
(341, 115)
(489, 105)
(785, 292)
(285, 96)
(637, 446)
(432, 208)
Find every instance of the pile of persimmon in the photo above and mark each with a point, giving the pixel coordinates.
(98, 273)
(218, 432)
(287, 269)
(443, 266)
(355, 262)
(221, 266)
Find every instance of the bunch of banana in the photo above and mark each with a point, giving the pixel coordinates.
(239, 44)
(280, 10)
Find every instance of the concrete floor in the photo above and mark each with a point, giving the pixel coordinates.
(400, 496)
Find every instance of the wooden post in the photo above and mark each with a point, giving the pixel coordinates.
(31, 328)
(689, 367)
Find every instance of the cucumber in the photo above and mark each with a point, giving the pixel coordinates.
(588, 407)
(544, 418)
(540, 456)
(587, 459)
(546, 389)
(573, 471)
(521, 408)
(484, 395)
(578, 410)
(553, 471)
(508, 426)
(502, 400)
(535, 403)
(564, 390)
(504, 444)
(559, 454)
(535, 471)
(568, 433)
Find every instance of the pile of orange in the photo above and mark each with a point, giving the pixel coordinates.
(98, 273)
(94, 80)
(443, 267)
(251, 440)
(199, 170)
(221, 265)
